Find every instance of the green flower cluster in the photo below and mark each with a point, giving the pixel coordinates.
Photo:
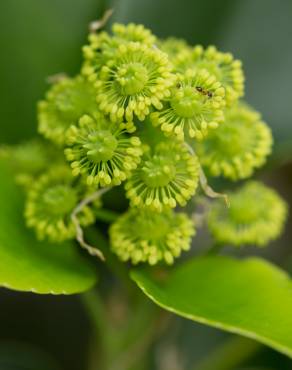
(102, 151)
(65, 103)
(144, 236)
(168, 174)
(239, 146)
(50, 203)
(149, 115)
(28, 160)
(256, 216)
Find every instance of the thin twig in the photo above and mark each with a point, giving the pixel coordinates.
(93, 251)
(209, 191)
(56, 78)
(100, 23)
(204, 183)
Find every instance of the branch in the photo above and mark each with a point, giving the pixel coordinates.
(100, 23)
(93, 251)
(204, 183)
(209, 191)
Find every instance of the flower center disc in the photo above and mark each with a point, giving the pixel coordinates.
(132, 78)
(154, 227)
(243, 211)
(101, 146)
(158, 172)
(60, 199)
(187, 102)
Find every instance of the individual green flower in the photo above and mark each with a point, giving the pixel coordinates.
(50, 203)
(194, 107)
(65, 103)
(239, 146)
(27, 160)
(256, 216)
(136, 78)
(145, 236)
(102, 46)
(222, 65)
(102, 151)
(166, 176)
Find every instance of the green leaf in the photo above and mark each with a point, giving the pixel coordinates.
(29, 265)
(249, 297)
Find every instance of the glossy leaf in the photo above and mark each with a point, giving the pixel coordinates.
(29, 265)
(249, 297)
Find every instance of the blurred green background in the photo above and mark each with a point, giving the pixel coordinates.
(39, 38)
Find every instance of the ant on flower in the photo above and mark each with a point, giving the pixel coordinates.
(204, 92)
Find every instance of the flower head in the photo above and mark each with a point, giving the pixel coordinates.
(102, 151)
(145, 236)
(239, 146)
(256, 216)
(100, 49)
(50, 203)
(194, 107)
(166, 176)
(134, 79)
(65, 103)
(28, 160)
(223, 66)
(103, 46)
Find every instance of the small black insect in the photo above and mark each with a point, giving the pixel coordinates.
(204, 92)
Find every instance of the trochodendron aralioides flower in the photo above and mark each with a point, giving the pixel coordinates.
(153, 118)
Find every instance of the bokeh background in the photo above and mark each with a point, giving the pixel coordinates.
(39, 38)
